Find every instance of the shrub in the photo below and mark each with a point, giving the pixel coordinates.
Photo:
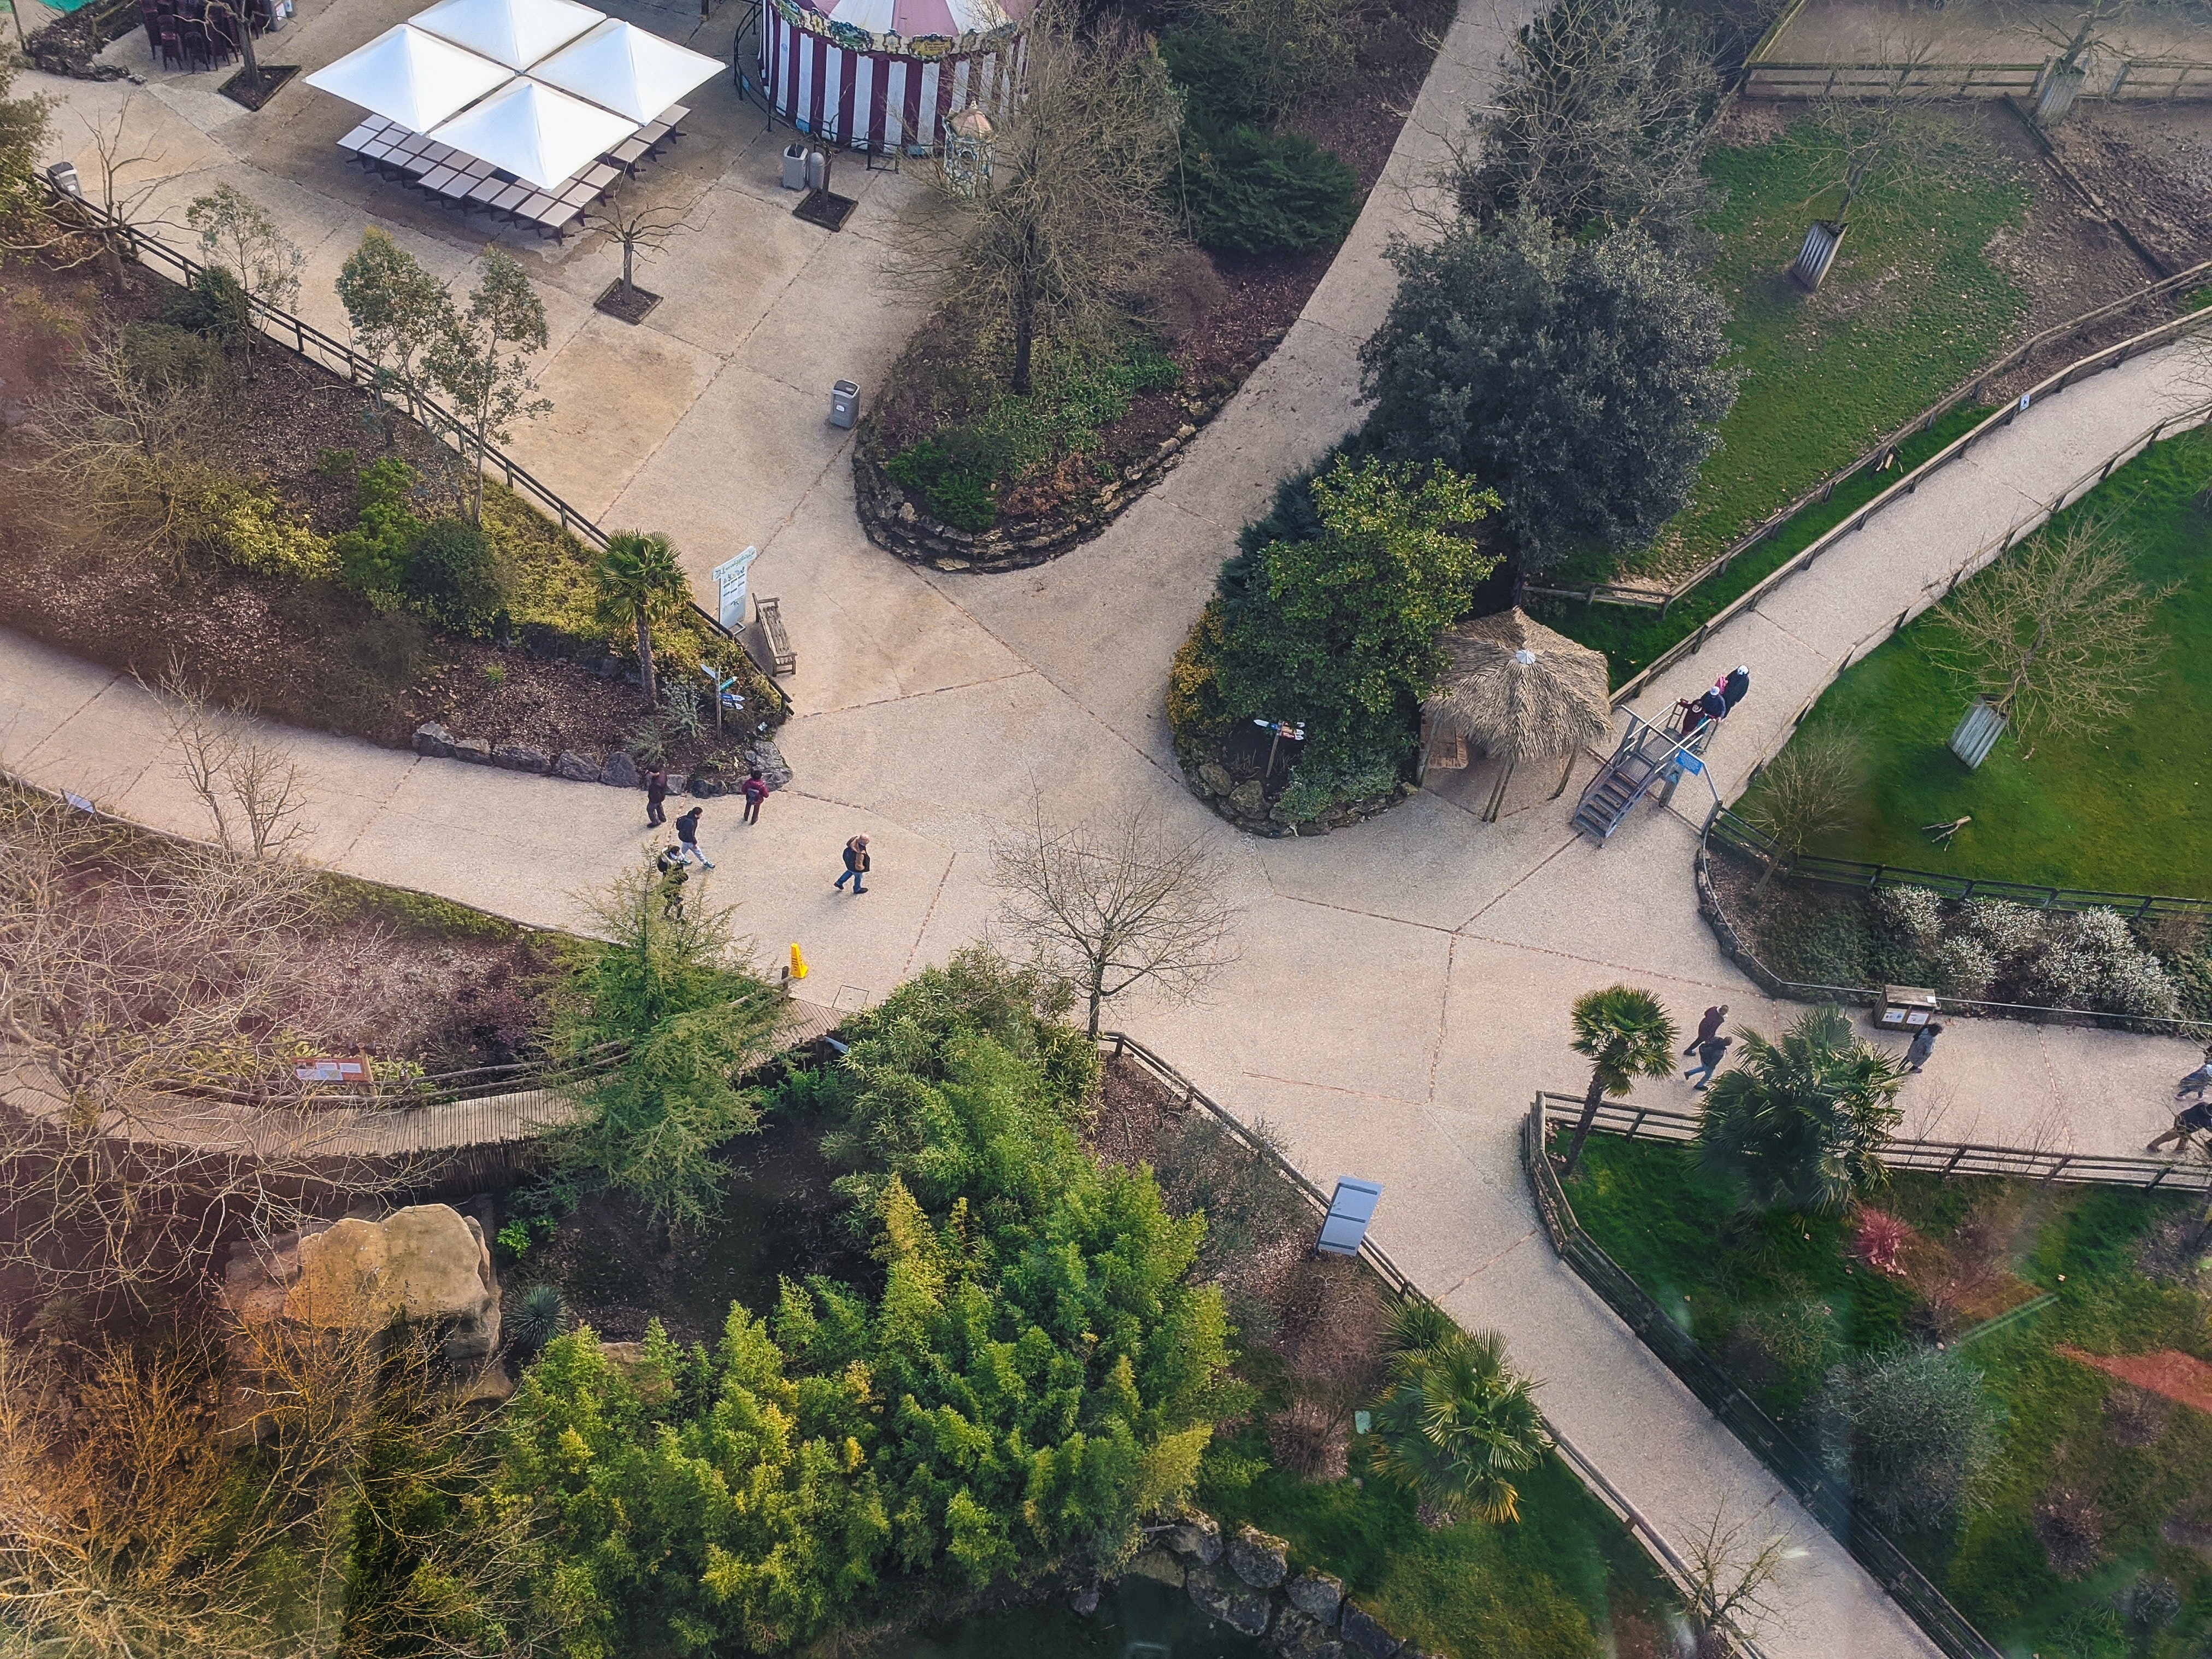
(1965, 968)
(1784, 1347)
(1315, 788)
(51, 333)
(211, 304)
(1879, 1240)
(2002, 928)
(452, 579)
(2071, 1525)
(1912, 1431)
(159, 355)
(235, 522)
(540, 1316)
(1248, 191)
(374, 555)
(1913, 916)
(1193, 686)
(956, 494)
(1219, 70)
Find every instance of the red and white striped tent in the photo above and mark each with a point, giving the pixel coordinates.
(884, 75)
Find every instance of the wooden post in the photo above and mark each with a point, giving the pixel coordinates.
(1497, 795)
(1565, 772)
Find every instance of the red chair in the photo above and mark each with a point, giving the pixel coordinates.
(173, 50)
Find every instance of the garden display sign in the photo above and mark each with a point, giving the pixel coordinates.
(730, 581)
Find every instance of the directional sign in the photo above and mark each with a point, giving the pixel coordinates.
(730, 580)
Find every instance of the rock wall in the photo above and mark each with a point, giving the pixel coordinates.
(617, 771)
(1245, 804)
(1245, 1582)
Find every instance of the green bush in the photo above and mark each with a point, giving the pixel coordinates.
(1315, 787)
(452, 578)
(1219, 70)
(232, 520)
(1912, 1431)
(160, 355)
(958, 494)
(212, 304)
(1249, 192)
(374, 555)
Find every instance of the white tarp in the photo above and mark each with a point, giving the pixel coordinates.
(535, 133)
(411, 77)
(627, 69)
(515, 32)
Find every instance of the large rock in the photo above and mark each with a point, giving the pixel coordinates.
(1213, 777)
(1220, 1595)
(475, 749)
(769, 758)
(621, 772)
(1198, 1536)
(434, 740)
(521, 757)
(1158, 1564)
(1317, 1595)
(426, 1264)
(579, 769)
(1363, 1635)
(1260, 1558)
(1249, 798)
(1298, 1637)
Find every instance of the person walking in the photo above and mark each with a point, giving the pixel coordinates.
(674, 875)
(2189, 1121)
(687, 837)
(1924, 1044)
(856, 865)
(2198, 1082)
(755, 792)
(1708, 1027)
(656, 791)
(1710, 1053)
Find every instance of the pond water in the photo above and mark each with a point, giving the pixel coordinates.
(1138, 1619)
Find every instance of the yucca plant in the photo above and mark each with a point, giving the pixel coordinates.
(540, 1318)
(1458, 1423)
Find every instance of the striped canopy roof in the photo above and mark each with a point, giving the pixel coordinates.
(921, 19)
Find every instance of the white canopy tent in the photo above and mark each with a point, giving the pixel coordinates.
(623, 67)
(515, 32)
(411, 77)
(535, 132)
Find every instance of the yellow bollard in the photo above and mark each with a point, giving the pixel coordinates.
(797, 963)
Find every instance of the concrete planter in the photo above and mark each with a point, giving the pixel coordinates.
(1823, 238)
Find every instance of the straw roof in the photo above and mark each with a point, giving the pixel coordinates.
(1520, 691)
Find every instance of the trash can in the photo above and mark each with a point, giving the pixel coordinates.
(65, 178)
(818, 169)
(795, 166)
(844, 404)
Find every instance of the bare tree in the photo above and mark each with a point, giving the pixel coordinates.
(1114, 907)
(1731, 1569)
(126, 447)
(1811, 787)
(250, 790)
(1063, 240)
(2093, 31)
(113, 155)
(2055, 636)
(238, 234)
(638, 230)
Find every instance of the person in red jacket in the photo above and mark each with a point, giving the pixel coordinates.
(755, 792)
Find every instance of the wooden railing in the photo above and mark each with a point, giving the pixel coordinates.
(2125, 80)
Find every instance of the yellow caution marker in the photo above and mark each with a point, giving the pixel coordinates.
(797, 963)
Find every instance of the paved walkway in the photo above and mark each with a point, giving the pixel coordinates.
(1403, 988)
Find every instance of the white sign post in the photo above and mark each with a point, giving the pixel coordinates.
(1350, 1207)
(730, 580)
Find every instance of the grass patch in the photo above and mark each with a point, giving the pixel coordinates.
(2146, 1464)
(1633, 639)
(413, 916)
(2125, 809)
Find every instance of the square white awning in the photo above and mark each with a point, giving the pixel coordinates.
(515, 32)
(627, 69)
(535, 132)
(411, 77)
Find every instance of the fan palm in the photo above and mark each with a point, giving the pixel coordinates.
(637, 583)
(1626, 1035)
(1458, 1423)
(1799, 1122)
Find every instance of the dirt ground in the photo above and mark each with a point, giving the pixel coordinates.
(2152, 163)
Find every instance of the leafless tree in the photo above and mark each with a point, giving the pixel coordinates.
(1731, 1569)
(1114, 907)
(2094, 29)
(124, 447)
(1809, 789)
(250, 790)
(114, 153)
(2055, 636)
(1072, 227)
(1873, 147)
(638, 230)
(240, 236)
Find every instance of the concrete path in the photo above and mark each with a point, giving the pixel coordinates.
(1403, 988)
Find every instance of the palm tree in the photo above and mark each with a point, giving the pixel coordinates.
(1626, 1035)
(639, 584)
(1799, 1122)
(1457, 1422)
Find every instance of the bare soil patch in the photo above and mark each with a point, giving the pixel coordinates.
(2169, 1373)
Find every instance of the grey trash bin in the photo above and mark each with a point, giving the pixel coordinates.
(844, 404)
(795, 166)
(818, 169)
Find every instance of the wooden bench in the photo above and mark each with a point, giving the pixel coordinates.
(782, 660)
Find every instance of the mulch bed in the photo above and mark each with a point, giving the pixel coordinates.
(255, 91)
(2179, 1377)
(632, 309)
(309, 653)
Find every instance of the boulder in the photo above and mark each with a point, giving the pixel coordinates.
(521, 757)
(578, 769)
(1297, 1636)
(621, 772)
(1317, 1595)
(1249, 798)
(676, 781)
(1260, 1558)
(1083, 1599)
(1220, 1595)
(1362, 1635)
(1198, 1536)
(773, 771)
(475, 749)
(707, 785)
(1213, 777)
(434, 740)
(1160, 1566)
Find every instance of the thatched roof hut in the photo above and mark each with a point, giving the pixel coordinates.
(1519, 692)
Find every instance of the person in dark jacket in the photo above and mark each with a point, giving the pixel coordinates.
(1924, 1044)
(674, 875)
(755, 792)
(1708, 1027)
(656, 791)
(1732, 688)
(687, 837)
(856, 865)
(1710, 1054)
(2189, 1121)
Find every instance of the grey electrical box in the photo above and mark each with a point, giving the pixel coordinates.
(795, 166)
(844, 404)
(818, 169)
(1350, 1207)
(65, 178)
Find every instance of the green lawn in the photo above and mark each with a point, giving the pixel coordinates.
(2127, 810)
(1672, 1229)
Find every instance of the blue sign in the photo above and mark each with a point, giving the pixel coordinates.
(1692, 764)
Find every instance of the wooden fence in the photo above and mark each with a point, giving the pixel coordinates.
(1805, 1476)
(2121, 79)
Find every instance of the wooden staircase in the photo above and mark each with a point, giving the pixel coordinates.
(1648, 758)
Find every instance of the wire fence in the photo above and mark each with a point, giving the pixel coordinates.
(1804, 1475)
(303, 339)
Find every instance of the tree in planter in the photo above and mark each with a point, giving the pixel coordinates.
(637, 230)
(1812, 786)
(637, 583)
(397, 312)
(1798, 1124)
(1602, 119)
(1581, 380)
(1132, 904)
(1626, 1034)
(238, 235)
(488, 386)
(1072, 224)
(1457, 1422)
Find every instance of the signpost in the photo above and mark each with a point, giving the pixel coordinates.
(721, 691)
(1350, 1207)
(730, 581)
(1282, 729)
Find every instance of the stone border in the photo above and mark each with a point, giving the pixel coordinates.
(1246, 806)
(894, 523)
(618, 771)
(1245, 1583)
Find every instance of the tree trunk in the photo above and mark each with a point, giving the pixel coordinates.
(246, 44)
(1024, 342)
(1097, 1000)
(476, 492)
(1591, 1102)
(645, 661)
(629, 253)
